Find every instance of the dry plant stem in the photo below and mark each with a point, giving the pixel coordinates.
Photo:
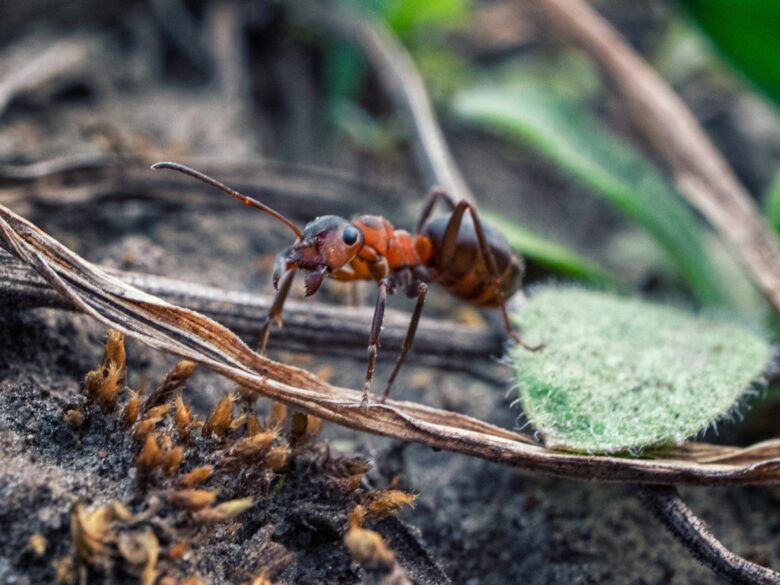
(225, 39)
(404, 85)
(190, 335)
(178, 24)
(703, 175)
(694, 534)
(310, 326)
(57, 61)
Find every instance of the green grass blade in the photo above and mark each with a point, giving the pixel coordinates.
(747, 34)
(772, 204)
(568, 135)
(551, 255)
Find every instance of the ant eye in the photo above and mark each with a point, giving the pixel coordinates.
(350, 235)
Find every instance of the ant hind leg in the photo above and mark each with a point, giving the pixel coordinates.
(448, 250)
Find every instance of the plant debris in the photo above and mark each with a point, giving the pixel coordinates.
(199, 339)
(195, 493)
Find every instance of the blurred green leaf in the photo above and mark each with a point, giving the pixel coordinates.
(407, 16)
(550, 255)
(567, 134)
(363, 130)
(772, 204)
(345, 66)
(345, 63)
(747, 33)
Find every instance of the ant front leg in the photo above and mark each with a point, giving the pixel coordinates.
(449, 245)
(373, 340)
(422, 290)
(275, 312)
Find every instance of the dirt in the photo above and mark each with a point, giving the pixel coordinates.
(473, 523)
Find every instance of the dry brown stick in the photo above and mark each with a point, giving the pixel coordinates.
(193, 337)
(403, 83)
(665, 502)
(308, 325)
(702, 173)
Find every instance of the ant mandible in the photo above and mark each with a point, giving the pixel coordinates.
(467, 258)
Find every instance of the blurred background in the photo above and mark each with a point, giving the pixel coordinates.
(279, 99)
(534, 128)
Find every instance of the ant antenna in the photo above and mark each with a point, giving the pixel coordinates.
(248, 201)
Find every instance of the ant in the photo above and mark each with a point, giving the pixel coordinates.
(469, 259)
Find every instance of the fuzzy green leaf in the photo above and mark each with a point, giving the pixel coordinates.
(620, 374)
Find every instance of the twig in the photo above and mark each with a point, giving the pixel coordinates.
(301, 190)
(408, 545)
(53, 166)
(56, 61)
(177, 23)
(308, 325)
(403, 83)
(193, 337)
(225, 41)
(665, 502)
(703, 175)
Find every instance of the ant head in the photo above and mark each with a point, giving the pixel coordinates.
(327, 244)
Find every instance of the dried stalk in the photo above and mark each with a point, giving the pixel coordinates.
(308, 325)
(694, 534)
(59, 60)
(702, 174)
(192, 336)
(178, 24)
(404, 85)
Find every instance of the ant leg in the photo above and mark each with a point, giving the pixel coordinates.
(422, 290)
(275, 312)
(437, 194)
(514, 334)
(373, 341)
(449, 245)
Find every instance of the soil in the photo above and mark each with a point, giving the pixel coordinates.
(474, 522)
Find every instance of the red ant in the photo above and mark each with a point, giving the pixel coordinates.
(471, 261)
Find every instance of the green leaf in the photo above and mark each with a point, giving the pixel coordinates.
(568, 135)
(551, 255)
(345, 67)
(772, 204)
(620, 374)
(406, 16)
(747, 33)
